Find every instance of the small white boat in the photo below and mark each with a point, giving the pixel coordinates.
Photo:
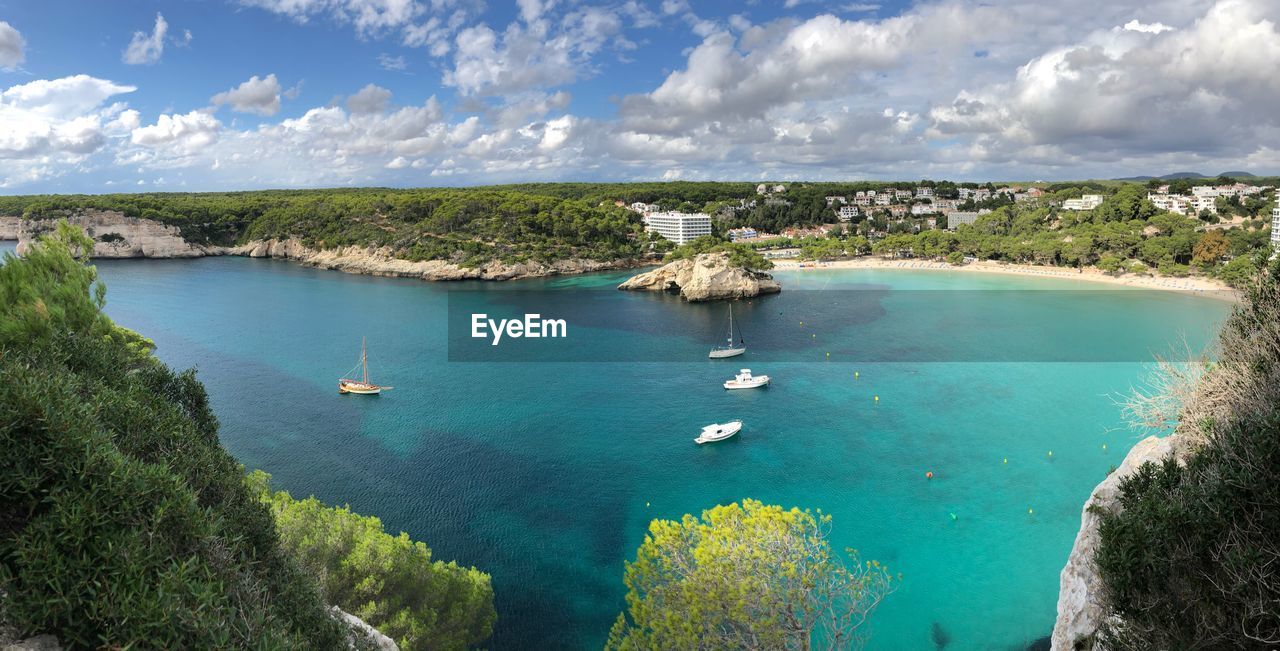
(745, 380)
(729, 349)
(718, 432)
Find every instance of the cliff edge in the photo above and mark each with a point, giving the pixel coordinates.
(1081, 608)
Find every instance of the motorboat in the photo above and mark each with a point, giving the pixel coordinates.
(745, 380)
(718, 432)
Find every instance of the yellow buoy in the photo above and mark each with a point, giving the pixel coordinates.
(1030, 511)
(646, 505)
(828, 354)
(1006, 459)
(877, 398)
(855, 375)
(1104, 446)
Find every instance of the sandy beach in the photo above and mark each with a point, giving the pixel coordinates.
(1208, 287)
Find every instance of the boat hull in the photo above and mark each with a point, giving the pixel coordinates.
(725, 431)
(721, 353)
(750, 384)
(359, 389)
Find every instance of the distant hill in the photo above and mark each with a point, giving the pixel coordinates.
(1188, 175)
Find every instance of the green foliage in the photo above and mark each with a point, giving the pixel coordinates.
(466, 226)
(745, 576)
(740, 255)
(390, 582)
(1189, 560)
(123, 523)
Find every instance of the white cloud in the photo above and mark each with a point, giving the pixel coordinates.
(46, 126)
(12, 47)
(147, 48)
(179, 136)
(260, 96)
(1119, 93)
(1153, 28)
(388, 62)
(370, 99)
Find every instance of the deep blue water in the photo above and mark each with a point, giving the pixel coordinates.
(545, 474)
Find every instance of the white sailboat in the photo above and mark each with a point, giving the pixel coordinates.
(718, 432)
(362, 386)
(728, 349)
(745, 380)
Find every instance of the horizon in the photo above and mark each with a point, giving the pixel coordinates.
(461, 93)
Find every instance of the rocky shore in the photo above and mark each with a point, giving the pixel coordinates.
(706, 277)
(118, 236)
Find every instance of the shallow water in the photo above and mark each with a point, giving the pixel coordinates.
(545, 474)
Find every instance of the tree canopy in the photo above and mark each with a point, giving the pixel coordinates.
(746, 576)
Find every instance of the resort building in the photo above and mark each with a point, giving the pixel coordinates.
(957, 217)
(848, 213)
(745, 233)
(1275, 227)
(1087, 202)
(679, 227)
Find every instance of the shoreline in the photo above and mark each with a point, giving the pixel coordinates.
(1190, 285)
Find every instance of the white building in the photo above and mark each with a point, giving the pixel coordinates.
(847, 213)
(924, 193)
(679, 227)
(1275, 227)
(1087, 202)
(643, 208)
(922, 209)
(956, 217)
(883, 199)
(742, 234)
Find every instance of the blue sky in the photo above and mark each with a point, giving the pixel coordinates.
(241, 94)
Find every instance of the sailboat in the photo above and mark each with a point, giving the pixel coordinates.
(728, 349)
(362, 386)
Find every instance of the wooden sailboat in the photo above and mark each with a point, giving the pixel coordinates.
(362, 386)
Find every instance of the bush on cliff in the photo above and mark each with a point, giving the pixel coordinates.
(1193, 559)
(123, 522)
(740, 255)
(388, 581)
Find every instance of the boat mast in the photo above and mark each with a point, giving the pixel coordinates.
(364, 361)
(731, 325)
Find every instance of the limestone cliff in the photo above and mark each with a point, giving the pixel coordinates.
(9, 227)
(707, 277)
(1081, 610)
(379, 262)
(117, 236)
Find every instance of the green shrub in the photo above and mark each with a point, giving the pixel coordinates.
(1192, 560)
(388, 581)
(740, 255)
(123, 523)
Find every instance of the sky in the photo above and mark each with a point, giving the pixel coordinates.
(197, 95)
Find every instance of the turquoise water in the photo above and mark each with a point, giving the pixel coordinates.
(546, 474)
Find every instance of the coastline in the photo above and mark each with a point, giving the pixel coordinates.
(1199, 286)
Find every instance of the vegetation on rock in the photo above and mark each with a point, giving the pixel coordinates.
(1192, 560)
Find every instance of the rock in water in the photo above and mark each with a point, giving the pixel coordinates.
(707, 277)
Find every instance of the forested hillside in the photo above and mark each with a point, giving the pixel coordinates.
(125, 524)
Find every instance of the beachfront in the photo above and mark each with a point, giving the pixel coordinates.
(1208, 286)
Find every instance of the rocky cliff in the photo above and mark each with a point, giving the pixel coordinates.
(117, 236)
(9, 227)
(1081, 610)
(379, 262)
(707, 277)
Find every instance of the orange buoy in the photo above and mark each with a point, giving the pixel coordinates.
(928, 475)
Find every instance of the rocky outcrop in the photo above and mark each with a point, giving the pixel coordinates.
(9, 227)
(706, 277)
(117, 236)
(1081, 610)
(380, 262)
(358, 627)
